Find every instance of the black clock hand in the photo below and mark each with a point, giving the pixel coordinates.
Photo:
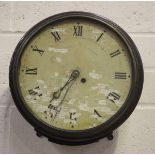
(75, 74)
(58, 107)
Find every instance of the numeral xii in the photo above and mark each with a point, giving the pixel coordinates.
(78, 30)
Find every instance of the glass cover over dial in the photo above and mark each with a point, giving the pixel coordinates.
(75, 74)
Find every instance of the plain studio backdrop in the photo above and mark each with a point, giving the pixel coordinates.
(137, 134)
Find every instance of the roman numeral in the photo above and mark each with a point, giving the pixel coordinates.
(113, 96)
(73, 118)
(35, 92)
(99, 37)
(119, 75)
(56, 36)
(38, 50)
(113, 54)
(97, 113)
(32, 71)
(77, 30)
(54, 110)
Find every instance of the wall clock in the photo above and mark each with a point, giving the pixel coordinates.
(76, 77)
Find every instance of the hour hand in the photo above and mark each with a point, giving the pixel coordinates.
(56, 95)
(74, 75)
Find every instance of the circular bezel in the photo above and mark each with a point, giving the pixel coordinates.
(78, 137)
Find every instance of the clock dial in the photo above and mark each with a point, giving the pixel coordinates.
(75, 74)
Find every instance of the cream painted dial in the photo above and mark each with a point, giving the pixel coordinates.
(75, 74)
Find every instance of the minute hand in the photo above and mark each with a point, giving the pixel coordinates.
(66, 93)
(72, 77)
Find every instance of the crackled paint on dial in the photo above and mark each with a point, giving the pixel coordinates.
(48, 61)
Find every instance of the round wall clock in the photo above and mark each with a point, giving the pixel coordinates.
(76, 77)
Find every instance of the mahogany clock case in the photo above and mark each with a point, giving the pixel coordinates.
(79, 137)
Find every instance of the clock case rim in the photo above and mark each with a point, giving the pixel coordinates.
(78, 137)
